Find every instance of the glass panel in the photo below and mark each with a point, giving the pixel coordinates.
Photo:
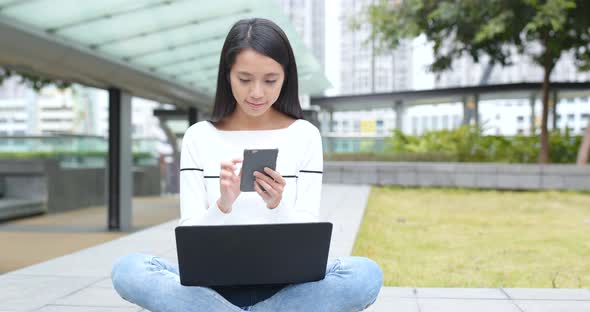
(164, 37)
(69, 11)
(176, 15)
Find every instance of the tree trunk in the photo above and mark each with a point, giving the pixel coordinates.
(544, 154)
(584, 151)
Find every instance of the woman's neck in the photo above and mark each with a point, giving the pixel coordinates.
(271, 120)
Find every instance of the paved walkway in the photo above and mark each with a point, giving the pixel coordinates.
(31, 240)
(80, 281)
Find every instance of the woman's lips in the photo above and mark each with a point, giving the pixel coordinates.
(255, 105)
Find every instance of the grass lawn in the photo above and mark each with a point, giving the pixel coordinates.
(471, 238)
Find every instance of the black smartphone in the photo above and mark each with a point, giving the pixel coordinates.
(256, 160)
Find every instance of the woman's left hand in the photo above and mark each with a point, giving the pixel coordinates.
(273, 187)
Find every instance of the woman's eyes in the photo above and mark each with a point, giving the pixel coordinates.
(267, 81)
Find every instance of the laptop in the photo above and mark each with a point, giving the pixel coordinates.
(261, 254)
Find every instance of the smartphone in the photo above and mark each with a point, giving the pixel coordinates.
(256, 160)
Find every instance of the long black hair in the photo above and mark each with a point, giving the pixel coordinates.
(267, 38)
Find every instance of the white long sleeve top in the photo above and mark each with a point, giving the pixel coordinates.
(299, 161)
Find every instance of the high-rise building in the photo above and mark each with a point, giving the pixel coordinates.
(308, 18)
(465, 72)
(17, 114)
(364, 68)
(510, 117)
(74, 110)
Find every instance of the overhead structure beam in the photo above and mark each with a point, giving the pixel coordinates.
(40, 53)
(14, 4)
(447, 95)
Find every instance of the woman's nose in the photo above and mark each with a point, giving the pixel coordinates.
(256, 91)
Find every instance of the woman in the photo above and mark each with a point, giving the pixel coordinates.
(256, 106)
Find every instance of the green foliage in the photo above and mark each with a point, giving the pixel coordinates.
(540, 29)
(468, 144)
(33, 81)
(486, 27)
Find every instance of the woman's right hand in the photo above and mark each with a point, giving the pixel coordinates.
(229, 184)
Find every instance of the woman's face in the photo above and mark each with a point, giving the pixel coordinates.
(256, 82)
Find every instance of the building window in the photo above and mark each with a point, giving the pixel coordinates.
(357, 126)
(571, 117)
(380, 124)
(457, 121)
(334, 124)
(520, 118)
(434, 122)
(445, 122)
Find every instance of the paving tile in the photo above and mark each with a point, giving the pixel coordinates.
(461, 293)
(553, 306)
(397, 292)
(87, 262)
(548, 293)
(64, 308)
(81, 281)
(465, 305)
(394, 304)
(104, 283)
(94, 296)
(25, 293)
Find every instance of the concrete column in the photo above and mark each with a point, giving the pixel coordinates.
(553, 107)
(400, 111)
(120, 161)
(533, 99)
(471, 110)
(331, 122)
(476, 109)
(330, 131)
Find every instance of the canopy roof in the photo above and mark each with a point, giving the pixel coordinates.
(162, 50)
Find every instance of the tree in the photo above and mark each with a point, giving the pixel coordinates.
(33, 81)
(541, 29)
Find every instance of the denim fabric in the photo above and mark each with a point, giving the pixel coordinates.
(351, 284)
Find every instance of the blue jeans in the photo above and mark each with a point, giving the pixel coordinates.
(351, 284)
